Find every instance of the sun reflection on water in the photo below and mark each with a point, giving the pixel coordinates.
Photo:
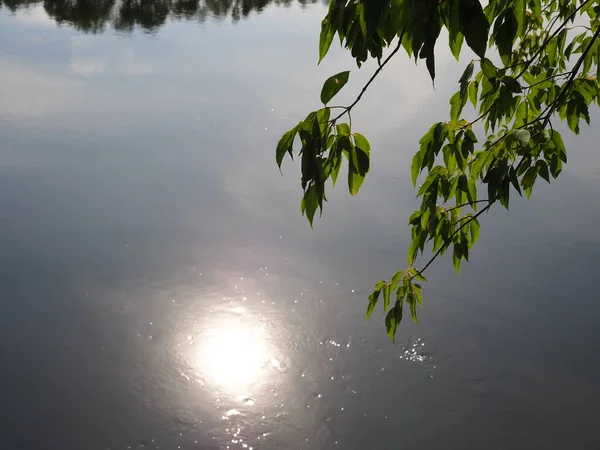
(234, 354)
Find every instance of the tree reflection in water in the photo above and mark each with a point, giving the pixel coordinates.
(94, 16)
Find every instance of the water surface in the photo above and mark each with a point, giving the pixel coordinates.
(159, 288)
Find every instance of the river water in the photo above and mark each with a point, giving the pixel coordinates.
(160, 289)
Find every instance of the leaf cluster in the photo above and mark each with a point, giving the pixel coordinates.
(324, 144)
(537, 61)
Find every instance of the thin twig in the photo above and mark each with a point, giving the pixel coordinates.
(447, 244)
(564, 74)
(477, 119)
(578, 26)
(451, 208)
(379, 69)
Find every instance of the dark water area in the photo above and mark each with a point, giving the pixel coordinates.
(160, 289)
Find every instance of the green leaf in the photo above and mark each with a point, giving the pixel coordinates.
(456, 257)
(355, 178)
(372, 302)
(418, 275)
(576, 109)
(373, 13)
(464, 87)
(523, 137)
(391, 324)
(417, 294)
(440, 132)
(335, 169)
(358, 158)
(325, 39)
(344, 144)
(412, 303)
(472, 192)
(587, 62)
(427, 53)
(551, 50)
(362, 161)
(474, 230)
(466, 148)
(413, 250)
(415, 168)
(558, 142)
(455, 36)
(467, 74)
(512, 175)
(512, 84)
(323, 118)
(362, 143)
(386, 297)
(542, 169)
(379, 285)
(474, 25)
(457, 104)
(506, 34)
(343, 129)
(528, 180)
(398, 312)
(529, 78)
(521, 114)
(555, 166)
(488, 68)
(536, 8)
(469, 133)
(310, 203)
(400, 293)
(449, 158)
(520, 15)
(473, 89)
(333, 85)
(397, 277)
(285, 145)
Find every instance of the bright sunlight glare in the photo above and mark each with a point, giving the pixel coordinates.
(233, 355)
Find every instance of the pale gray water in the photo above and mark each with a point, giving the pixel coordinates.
(159, 288)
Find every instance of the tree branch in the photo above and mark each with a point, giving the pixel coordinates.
(564, 74)
(447, 244)
(568, 84)
(445, 210)
(552, 36)
(546, 116)
(379, 69)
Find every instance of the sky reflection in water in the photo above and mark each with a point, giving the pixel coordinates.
(136, 309)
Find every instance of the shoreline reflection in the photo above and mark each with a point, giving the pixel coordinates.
(125, 16)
